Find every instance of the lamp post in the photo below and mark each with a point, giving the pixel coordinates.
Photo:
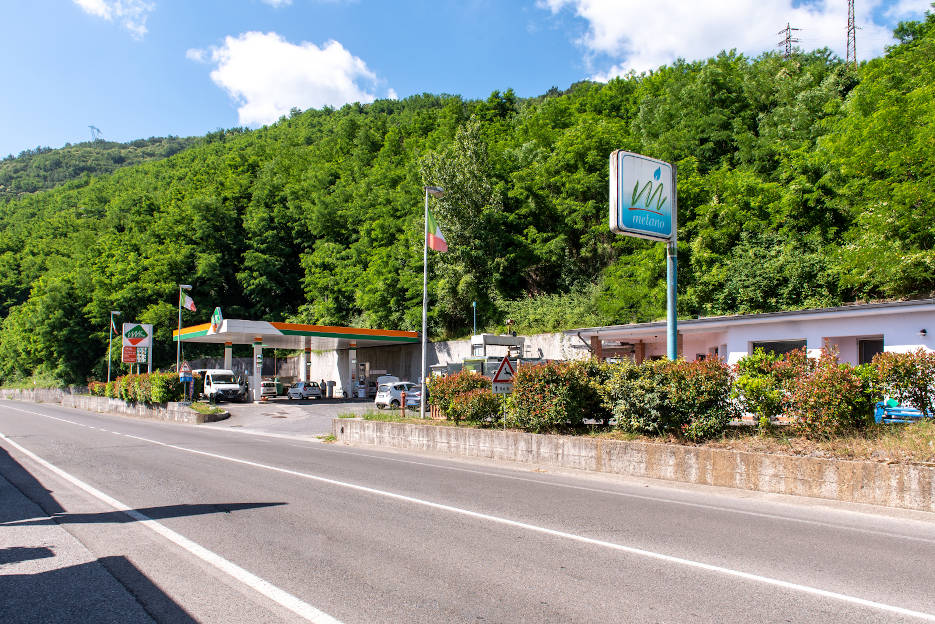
(474, 305)
(178, 344)
(110, 339)
(437, 192)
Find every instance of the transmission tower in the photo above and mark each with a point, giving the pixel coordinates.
(851, 34)
(786, 44)
(96, 134)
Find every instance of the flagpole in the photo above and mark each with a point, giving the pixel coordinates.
(110, 339)
(178, 338)
(425, 300)
(438, 192)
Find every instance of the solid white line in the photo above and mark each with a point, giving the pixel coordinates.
(928, 617)
(262, 586)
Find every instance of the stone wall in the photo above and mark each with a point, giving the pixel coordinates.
(892, 485)
(171, 412)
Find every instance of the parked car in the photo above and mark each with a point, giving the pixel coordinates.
(304, 390)
(390, 394)
(269, 389)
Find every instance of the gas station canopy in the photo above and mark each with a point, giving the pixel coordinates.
(292, 335)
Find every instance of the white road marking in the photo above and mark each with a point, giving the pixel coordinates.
(260, 585)
(806, 589)
(656, 499)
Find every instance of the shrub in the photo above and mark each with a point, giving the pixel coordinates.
(830, 398)
(97, 388)
(639, 397)
(701, 396)
(478, 406)
(909, 378)
(443, 390)
(687, 399)
(758, 387)
(556, 396)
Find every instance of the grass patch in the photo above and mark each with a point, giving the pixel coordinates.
(347, 415)
(912, 443)
(204, 408)
(328, 439)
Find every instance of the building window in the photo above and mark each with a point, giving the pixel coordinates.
(867, 348)
(778, 347)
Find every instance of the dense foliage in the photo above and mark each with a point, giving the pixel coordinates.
(802, 182)
(43, 168)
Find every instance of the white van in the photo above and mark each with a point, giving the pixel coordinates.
(221, 385)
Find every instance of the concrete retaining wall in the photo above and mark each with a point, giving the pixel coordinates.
(171, 412)
(892, 485)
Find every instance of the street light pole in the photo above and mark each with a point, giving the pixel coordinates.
(437, 192)
(474, 305)
(110, 339)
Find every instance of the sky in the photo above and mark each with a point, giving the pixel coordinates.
(142, 68)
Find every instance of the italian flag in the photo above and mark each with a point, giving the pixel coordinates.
(188, 303)
(436, 238)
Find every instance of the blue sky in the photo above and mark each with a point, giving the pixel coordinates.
(141, 68)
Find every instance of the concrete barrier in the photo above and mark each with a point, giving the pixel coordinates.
(170, 412)
(906, 486)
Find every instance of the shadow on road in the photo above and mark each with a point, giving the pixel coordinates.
(77, 595)
(154, 513)
(34, 588)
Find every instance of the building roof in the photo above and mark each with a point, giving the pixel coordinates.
(293, 335)
(713, 323)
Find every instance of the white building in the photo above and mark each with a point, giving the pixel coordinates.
(859, 332)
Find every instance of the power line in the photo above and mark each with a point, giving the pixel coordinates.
(786, 44)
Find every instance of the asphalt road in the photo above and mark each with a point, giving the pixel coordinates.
(218, 527)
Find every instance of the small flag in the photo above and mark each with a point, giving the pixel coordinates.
(436, 238)
(188, 303)
(113, 327)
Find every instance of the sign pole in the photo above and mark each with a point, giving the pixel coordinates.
(672, 333)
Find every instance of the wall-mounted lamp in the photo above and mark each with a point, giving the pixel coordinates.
(923, 333)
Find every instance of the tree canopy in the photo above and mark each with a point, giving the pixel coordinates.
(803, 181)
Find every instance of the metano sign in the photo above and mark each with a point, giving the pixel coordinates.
(137, 335)
(642, 196)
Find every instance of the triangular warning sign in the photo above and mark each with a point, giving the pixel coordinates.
(505, 372)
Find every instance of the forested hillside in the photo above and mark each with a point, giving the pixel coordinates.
(802, 182)
(41, 169)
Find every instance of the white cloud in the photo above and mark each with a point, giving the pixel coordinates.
(638, 35)
(277, 3)
(132, 14)
(196, 54)
(268, 76)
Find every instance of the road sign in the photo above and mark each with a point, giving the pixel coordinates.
(642, 196)
(137, 335)
(503, 378)
(185, 372)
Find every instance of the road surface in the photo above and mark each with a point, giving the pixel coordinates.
(199, 524)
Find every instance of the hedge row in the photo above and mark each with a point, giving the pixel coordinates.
(146, 388)
(821, 397)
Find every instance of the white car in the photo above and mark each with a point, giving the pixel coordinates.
(390, 394)
(305, 390)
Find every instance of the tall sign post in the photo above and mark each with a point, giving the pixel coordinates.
(137, 344)
(644, 203)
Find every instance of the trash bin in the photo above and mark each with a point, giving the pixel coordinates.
(362, 392)
(330, 388)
